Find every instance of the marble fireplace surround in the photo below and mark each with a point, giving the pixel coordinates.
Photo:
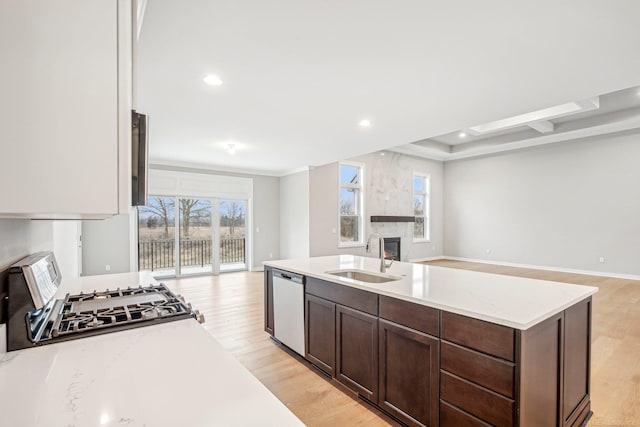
(403, 230)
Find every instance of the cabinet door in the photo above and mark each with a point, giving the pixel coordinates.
(357, 351)
(320, 333)
(59, 108)
(268, 301)
(577, 363)
(409, 368)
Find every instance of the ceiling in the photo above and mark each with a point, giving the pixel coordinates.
(300, 75)
(615, 112)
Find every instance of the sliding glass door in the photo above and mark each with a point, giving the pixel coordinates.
(156, 236)
(178, 236)
(195, 236)
(233, 234)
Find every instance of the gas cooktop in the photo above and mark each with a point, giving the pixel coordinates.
(33, 283)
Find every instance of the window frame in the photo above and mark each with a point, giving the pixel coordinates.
(360, 202)
(426, 193)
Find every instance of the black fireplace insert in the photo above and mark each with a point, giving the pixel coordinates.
(392, 248)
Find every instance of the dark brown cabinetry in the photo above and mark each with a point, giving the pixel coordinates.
(478, 371)
(428, 367)
(320, 333)
(408, 374)
(495, 375)
(341, 332)
(409, 361)
(268, 300)
(555, 384)
(357, 351)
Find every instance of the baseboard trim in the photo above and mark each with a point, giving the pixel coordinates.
(542, 267)
(433, 258)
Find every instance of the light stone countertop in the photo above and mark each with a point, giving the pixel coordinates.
(506, 300)
(171, 374)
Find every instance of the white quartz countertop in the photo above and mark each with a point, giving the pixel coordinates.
(171, 374)
(506, 300)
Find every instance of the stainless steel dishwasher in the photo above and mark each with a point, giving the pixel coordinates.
(288, 309)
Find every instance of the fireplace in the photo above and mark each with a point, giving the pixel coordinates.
(392, 248)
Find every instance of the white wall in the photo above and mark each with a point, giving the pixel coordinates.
(106, 242)
(15, 241)
(564, 205)
(294, 215)
(266, 219)
(66, 247)
(21, 237)
(388, 191)
(323, 211)
(61, 237)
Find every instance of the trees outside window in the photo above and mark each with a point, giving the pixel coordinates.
(420, 201)
(350, 203)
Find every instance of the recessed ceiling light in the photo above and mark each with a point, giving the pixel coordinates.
(212, 80)
(365, 123)
(462, 135)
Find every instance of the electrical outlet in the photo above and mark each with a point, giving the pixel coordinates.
(107, 267)
(602, 259)
(488, 251)
(257, 229)
(270, 254)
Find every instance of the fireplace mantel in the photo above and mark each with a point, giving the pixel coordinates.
(392, 218)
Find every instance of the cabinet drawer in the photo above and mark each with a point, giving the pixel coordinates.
(492, 373)
(350, 297)
(496, 340)
(450, 416)
(415, 316)
(476, 400)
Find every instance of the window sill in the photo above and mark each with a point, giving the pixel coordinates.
(421, 241)
(350, 245)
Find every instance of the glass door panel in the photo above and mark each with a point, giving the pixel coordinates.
(156, 236)
(195, 234)
(233, 235)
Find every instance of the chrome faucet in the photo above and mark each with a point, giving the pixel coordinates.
(383, 265)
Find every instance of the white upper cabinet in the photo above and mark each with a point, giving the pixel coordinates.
(65, 106)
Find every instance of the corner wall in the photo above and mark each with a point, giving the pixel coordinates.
(388, 191)
(106, 242)
(564, 206)
(294, 215)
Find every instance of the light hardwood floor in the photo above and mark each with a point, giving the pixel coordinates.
(233, 306)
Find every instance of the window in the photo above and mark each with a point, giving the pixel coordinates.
(350, 204)
(421, 227)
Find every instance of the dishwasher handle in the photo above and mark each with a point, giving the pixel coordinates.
(286, 275)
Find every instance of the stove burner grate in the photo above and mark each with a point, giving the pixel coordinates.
(122, 307)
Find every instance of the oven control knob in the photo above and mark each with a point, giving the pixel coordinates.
(199, 316)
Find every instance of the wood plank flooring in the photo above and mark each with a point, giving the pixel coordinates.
(232, 304)
(233, 307)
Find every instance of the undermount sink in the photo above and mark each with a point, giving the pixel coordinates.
(364, 276)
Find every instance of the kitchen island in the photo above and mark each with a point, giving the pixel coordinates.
(438, 346)
(170, 374)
